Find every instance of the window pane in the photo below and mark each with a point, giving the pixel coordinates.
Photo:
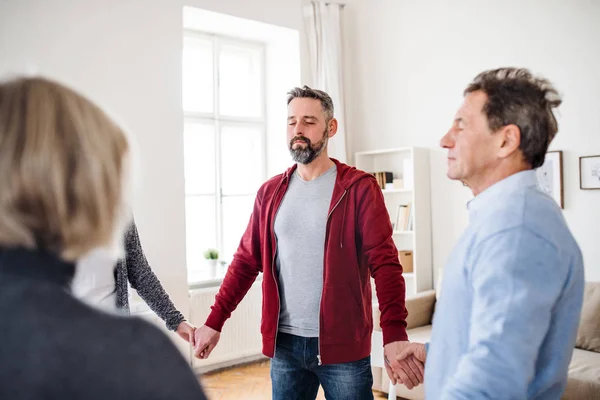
(199, 157)
(242, 159)
(236, 215)
(197, 74)
(200, 220)
(240, 81)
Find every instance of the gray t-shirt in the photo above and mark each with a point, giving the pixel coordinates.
(300, 226)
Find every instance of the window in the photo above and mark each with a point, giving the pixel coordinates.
(224, 142)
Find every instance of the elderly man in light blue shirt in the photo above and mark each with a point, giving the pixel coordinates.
(506, 321)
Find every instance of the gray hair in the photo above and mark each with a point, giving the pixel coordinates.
(309, 93)
(517, 97)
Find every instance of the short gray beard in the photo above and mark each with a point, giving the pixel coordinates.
(309, 154)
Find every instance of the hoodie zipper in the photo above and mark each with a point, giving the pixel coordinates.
(276, 286)
(321, 299)
(273, 269)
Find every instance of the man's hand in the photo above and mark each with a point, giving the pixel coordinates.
(408, 370)
(186, 331)
(416, 350)
(206, 340)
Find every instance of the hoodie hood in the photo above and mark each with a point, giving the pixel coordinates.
(346, 174)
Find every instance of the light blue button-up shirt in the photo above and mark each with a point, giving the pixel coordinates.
(506, 320)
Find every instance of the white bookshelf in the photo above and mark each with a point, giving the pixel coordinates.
(411, 164)
(390, 191)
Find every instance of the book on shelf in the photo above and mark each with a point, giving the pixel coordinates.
(404, 217)
(385, 179)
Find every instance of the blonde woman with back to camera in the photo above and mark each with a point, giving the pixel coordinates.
(63, 169)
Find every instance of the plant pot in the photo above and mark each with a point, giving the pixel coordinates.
(222, 269)
(211, 266)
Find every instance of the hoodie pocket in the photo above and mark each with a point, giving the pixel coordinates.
(343, 316)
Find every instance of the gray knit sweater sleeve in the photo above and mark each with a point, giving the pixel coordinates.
(145, 282)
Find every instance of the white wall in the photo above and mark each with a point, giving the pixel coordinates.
(409, 61)
(127, 55)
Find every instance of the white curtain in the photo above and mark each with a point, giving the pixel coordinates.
(324, 29)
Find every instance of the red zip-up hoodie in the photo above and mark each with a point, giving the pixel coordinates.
(358, 245)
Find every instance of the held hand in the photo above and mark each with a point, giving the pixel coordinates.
(206, 340)
(186, 331)
(415, 352)
(408, 370)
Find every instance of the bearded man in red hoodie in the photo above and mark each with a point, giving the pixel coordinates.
(318, 232)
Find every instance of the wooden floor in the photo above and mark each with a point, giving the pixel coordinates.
(248, 382)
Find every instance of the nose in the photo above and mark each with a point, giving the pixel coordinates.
(447, 141)
(297, 130)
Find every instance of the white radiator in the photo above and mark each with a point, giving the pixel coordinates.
(240, 339)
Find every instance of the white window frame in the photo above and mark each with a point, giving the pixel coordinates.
(218, 120)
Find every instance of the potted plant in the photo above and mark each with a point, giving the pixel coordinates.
(212, 258)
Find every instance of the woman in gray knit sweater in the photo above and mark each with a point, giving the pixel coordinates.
(134, 268)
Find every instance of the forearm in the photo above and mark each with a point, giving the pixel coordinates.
(391, 291)
(498, 359)
(146, 283)
(237, 281)
(482, 374)
(153, 294)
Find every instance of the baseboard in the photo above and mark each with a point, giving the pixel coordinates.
(230, 363)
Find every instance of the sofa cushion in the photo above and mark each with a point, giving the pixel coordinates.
(420, 309)
(584, 376)
(588, 334)
(421, 334)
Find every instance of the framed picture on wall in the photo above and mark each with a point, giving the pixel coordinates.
(550, 177)
(589, 172)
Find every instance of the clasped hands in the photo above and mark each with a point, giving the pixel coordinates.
(405, 363)
(203, 339)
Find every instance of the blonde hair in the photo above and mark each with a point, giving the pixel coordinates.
(62, 168)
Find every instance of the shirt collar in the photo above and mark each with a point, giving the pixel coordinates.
(499, 191)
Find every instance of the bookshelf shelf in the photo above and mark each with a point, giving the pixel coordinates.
(409, 206)
(384, 151)
(392, 191)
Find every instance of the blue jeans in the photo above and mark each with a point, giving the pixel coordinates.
(296, 373)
